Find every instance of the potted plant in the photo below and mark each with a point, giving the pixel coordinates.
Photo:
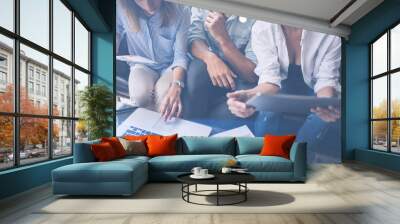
(96, 103)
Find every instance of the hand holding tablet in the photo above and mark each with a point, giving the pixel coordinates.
(294, 104)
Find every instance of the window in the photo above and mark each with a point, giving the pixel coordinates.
(30, 87)
(35, 21)
(62, 74)
(81, 45)
(47, 75)
(385, 94)
(7, 14)
(62, 29)
(6, 73)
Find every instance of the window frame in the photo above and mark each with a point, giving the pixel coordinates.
(388, 74)
(16, 115)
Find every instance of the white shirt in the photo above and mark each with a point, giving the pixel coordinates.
(320, 56)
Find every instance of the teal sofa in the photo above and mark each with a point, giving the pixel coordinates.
(125, 176)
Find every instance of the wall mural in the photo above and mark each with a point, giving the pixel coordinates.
(197, 72)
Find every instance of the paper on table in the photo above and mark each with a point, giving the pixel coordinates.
(136, 59)
(242, 131)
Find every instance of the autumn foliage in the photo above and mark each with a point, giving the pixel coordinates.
(33, 131)
(380, 127)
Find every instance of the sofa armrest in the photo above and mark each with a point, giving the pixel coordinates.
(83, 152)
(298, 155)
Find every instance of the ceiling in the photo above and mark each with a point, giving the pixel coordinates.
(328, 16)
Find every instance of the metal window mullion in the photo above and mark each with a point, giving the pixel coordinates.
(73, 82)
(50, 81)
(389, 100)
(16, 85)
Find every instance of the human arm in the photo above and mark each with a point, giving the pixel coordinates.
(327, 80)
(171, 105)
(241, 65)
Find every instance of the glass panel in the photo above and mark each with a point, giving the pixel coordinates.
(6, 74)
(379, 97)
(7, 14)
(395, 47)
(379, 135)
(81, 131)
(35, 21)
(62, 89)
(6, 142)
(81, 81)
(81, 45)
(62, 29)
(379, 55)
(395, 94)
(34, 97)
(33, 139)
(62, 138)
(395, 135)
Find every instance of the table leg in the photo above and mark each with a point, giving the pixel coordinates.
(217, 194)
(245, 193)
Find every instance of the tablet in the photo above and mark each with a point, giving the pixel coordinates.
(291, 104)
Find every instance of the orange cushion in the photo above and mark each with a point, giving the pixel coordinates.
(116, 145)
(103, 152)
(136, 137)
(161, 145)
(277, 145)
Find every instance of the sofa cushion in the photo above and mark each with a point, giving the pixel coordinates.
(116, 145)
(275, 145)
(83, 152)
(185, 163)
(161, 145)
(207, 145)
(103, 152)
(249, 145)
(112, 171)
(257, 163)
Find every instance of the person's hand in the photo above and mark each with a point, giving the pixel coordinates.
(215, 23)
(329, 114)
(219, 72)
(237, 103)
(171, 105)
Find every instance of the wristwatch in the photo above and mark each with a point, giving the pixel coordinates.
(179, 83)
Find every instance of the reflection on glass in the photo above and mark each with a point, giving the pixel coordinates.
(6, 74)
(62, 29)
(62, 89)
(6, 142)
(34, 96)
(33, 139)
(62, 138)
(7, 14)
(379, 135)
(81, 131)
(379, 97)
(81, 45)
(379, 55)
(395, 47)
(34, 21)
(395, 135)
(395, 94)
(81, 81)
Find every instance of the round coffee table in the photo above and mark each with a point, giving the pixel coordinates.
(238, 179)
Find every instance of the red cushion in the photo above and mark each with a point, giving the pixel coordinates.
(103, 152)
(277, 145)
(116, 145)
(161, 145)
